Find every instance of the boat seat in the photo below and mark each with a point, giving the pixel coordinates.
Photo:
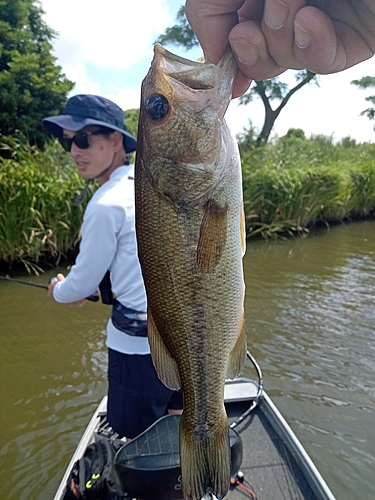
(148, 467)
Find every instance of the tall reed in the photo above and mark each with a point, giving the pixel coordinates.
(293, 184)
(38, 217)
(289, 186)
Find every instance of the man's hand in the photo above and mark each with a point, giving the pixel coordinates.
(270, 36)
(51, 286)
(77, 303)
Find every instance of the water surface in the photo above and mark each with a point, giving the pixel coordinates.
(311, 325)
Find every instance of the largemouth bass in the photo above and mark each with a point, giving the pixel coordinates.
(191, 240)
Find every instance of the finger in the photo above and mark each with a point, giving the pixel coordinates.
(212, 23)
(326, 46)
(278, 29)
(240, 85)
(253, 59)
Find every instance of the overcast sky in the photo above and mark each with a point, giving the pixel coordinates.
(106, 49)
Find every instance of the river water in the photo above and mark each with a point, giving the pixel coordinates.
(311, 326)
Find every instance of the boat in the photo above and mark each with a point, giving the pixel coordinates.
(267, 460)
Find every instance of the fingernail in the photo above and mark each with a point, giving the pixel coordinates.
(276, 16)
(246, 53)
(301, 36)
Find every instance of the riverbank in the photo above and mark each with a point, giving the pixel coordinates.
(290, 187)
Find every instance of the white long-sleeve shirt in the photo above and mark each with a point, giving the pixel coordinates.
(109, 242)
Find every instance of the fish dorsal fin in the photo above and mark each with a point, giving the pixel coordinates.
(237, 356)
(212, 236)
(164, 363)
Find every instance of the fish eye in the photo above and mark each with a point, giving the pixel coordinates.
(157, 107)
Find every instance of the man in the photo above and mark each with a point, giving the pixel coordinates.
(269, 36)
(92, 128)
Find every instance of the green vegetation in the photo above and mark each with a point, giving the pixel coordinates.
(131, 119)
(32, 85)
(38, 218)
(367, 82)
(290, 186)
(295, 184)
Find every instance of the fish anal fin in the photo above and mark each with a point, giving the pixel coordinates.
(212, 236)
(237, 356)
(165, 365)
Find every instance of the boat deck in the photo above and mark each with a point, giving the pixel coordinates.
(268, 468)
(274, 463)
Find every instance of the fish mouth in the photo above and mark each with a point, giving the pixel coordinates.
(162, 52)
(195, 74)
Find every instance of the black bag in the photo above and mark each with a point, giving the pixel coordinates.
(105, 288)
(92, 477)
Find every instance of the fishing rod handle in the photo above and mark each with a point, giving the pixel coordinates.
(91, 298)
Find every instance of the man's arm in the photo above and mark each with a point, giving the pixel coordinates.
(97, 249)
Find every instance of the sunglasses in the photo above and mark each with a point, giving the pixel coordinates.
(80, 140)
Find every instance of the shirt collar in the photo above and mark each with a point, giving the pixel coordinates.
(123, 170)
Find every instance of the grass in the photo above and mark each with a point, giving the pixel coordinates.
(38, 217)
(290, 186)
(296, 184)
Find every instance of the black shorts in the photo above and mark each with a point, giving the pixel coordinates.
(136, 396)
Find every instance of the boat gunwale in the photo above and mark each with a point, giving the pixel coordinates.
(294, 446)
(84, 442)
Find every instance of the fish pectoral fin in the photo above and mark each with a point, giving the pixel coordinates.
(212, 236)
(165, 366)
(237, 356)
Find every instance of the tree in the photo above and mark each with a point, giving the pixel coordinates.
(267, 90)
(270, 90)
(367, 82)
(32, 86)
(180, 34)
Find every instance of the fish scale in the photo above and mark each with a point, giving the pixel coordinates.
(190, 232)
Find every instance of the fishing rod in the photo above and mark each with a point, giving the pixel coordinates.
(92, 298)
(8, 278)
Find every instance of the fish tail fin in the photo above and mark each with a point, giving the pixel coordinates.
(205, 463)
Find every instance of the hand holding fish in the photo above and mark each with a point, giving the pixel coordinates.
(267, 37)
